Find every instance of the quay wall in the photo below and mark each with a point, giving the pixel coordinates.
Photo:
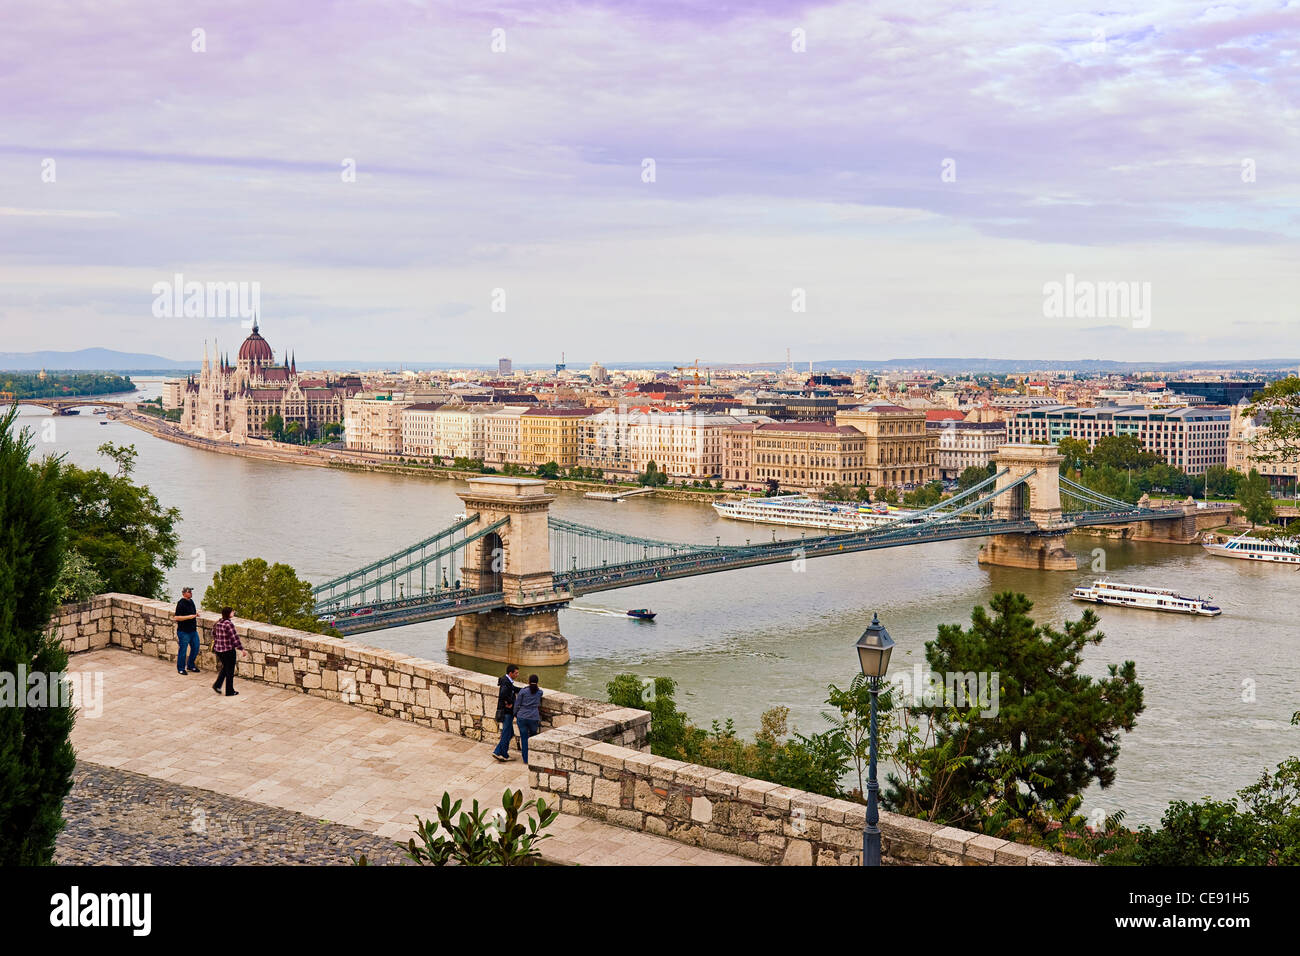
(592, 757)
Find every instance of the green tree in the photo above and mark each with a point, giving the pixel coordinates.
(671, 734)
(36, 756)
(78, 580)
(293, 432)
(1077, 453)
(275, 425)
(652, 477)
(550, 469)
(1055, 731)
(1278, 405)
(972, 476)
(1256, 502)
(128, 537)
(1124, 452)
(928, 494)
(888, 495)
(1260, 828)
(270, 593)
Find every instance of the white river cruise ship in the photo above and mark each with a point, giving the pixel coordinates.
(1149, 599)
(801, 511)
(1272, 550)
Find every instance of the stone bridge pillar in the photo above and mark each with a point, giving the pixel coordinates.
(515, 560)
(1179, 530)
(1038, 500)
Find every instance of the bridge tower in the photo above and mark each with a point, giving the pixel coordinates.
(515, 560)
(1037, 500)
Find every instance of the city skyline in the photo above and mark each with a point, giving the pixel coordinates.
(915, 184)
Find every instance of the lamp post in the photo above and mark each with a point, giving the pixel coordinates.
(874, 647)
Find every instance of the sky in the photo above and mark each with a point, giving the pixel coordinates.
(644, 181)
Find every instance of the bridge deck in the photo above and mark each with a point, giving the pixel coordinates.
(322, 758)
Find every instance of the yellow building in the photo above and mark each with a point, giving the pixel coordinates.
(899, 451)
(551, 434)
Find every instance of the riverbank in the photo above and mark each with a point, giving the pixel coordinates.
(366, 461)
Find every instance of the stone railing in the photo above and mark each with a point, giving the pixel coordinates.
(395, 685)
(594, 776)
(592, 756)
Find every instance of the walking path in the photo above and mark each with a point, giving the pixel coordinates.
(328, 760)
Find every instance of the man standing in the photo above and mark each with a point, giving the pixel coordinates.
(224, 644)
(505, 711)
(187, 632)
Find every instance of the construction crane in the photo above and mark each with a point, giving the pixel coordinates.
(696, 369)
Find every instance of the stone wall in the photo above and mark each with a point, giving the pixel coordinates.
(395, 685)
(592, 775)
(592, 757)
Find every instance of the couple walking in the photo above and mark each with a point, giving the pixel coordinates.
(224, 642)
(522, 705)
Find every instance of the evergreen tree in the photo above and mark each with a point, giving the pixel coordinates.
(1055, 731)
(36, 756)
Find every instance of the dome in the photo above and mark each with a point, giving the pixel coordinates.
(255, 348)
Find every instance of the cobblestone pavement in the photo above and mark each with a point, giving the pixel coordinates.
(120, 817)
(321, 758)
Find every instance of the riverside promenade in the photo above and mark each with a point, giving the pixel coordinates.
(335, 763)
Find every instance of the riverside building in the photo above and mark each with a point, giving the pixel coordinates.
(899, 450)
(1192, 438)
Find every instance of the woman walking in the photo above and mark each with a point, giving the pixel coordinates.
(224, 644)
(528, 713)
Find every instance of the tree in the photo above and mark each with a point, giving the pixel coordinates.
(1123, 452)
(1077, 453)
(332, 430)
(671, 734)
(272, 594)
(128, 537)
(652, 477)
(886, 494)
(275, 425)
(972, 476)
(928, 494)
(1055, 731)
(549, 470)
(293, 432)
(78, 580)
(36, 756)
(1222, 482)
(1256, 502)
(1263, 831)
(1279, 405)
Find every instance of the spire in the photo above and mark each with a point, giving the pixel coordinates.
(205, 355)
(255, 323)
(293, 364)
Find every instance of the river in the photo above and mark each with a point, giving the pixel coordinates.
(1219, 692)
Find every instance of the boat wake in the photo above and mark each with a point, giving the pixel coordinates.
(607, 612)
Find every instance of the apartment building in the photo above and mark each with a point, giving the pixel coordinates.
(964, 444)
(623, 441)
(1243, 432)
(551, 434)
(502, 435)
(374, 423)
(1192, 438)
(420, 429)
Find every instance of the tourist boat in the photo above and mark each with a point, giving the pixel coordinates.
(641, 614)
(100, 411)
(1272, 550)
(800, 511)
(1148, 599)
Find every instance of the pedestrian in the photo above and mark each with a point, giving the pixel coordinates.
(187, 633)
(528, 713)
(224, 644)
(505, 711)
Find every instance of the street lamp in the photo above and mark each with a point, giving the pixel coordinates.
(874, 648)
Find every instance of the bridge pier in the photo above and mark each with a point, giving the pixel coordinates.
(516, 561)
(1038, 500)
(1182, 530)
(526, 639)
(1037, 552)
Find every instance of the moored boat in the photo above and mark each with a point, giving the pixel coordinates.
(1272, 550)
(800, 511)
(1118, 594)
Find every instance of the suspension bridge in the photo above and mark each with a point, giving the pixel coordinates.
(506, 567)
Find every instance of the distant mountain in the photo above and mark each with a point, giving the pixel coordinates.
(89, 360)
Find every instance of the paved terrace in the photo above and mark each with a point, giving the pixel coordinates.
(321, 758)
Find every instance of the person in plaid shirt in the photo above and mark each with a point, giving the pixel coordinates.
(224, 644)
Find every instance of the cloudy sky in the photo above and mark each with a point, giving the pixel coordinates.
(655, 181)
